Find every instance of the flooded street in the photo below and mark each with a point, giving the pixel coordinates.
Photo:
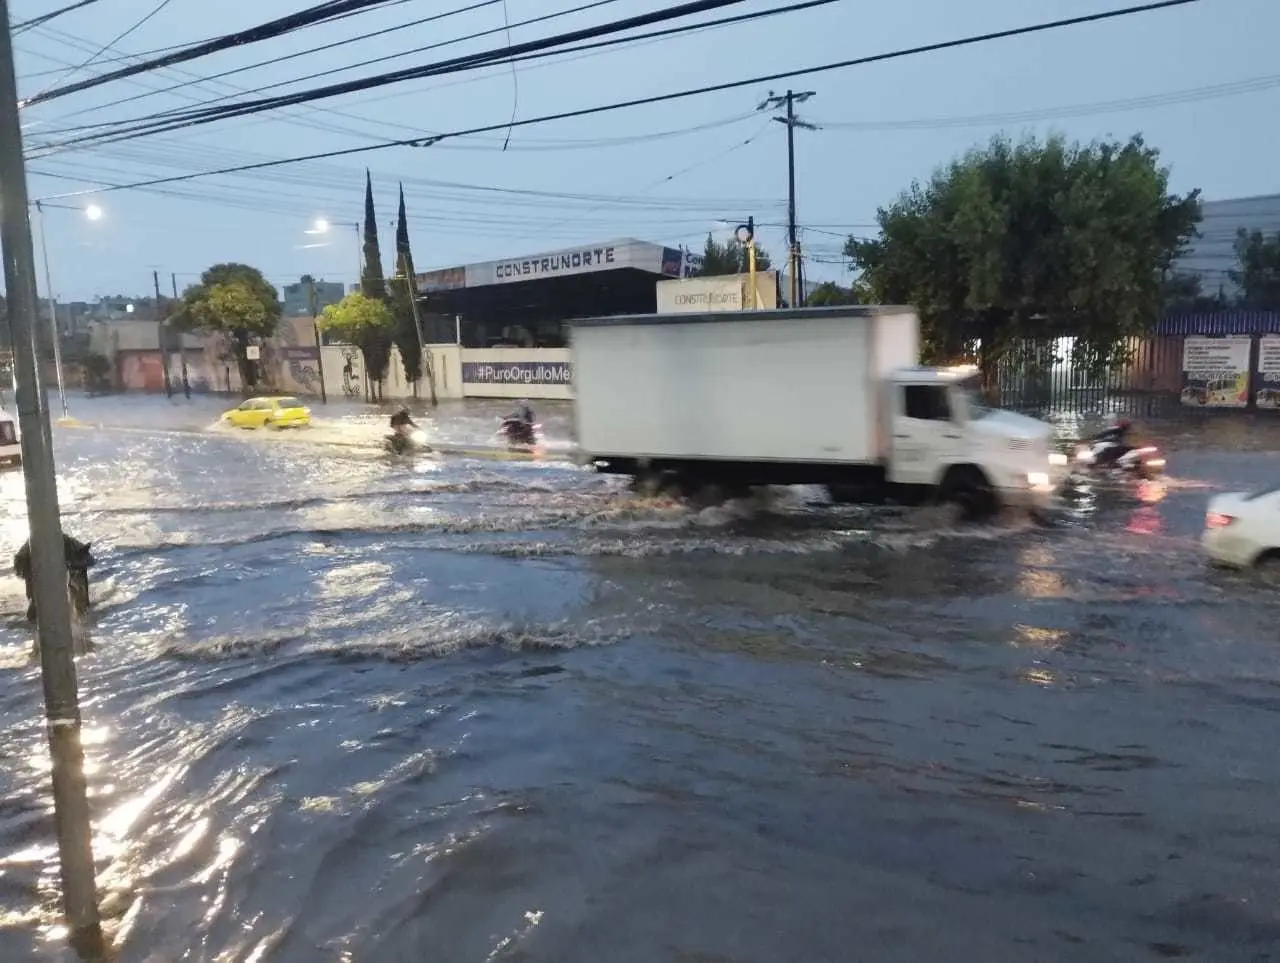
(351, 708)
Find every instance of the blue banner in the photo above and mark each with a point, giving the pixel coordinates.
(517, 373)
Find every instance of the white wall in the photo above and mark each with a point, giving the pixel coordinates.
(344, 374)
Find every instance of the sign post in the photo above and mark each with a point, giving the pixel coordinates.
(48, 559)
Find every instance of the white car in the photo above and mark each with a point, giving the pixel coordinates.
(1242, 530)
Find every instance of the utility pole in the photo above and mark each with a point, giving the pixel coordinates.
(314, 303)
(165, 343)
(182, 348)
(48, 558)
(789, 101)
(53, 313)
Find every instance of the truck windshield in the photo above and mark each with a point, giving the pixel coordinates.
(973, 399)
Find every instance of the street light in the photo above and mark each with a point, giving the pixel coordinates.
(93, 213)
(322, 225)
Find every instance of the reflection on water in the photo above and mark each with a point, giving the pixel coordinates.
(347, 707)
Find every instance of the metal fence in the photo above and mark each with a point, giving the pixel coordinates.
(1041, 377)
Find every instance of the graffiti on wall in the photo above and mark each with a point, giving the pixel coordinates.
(351, 373)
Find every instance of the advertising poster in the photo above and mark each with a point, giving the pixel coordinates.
(517, 373)
(1267, 381)
(1215, 371)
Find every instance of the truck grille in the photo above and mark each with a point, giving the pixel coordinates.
(1019, 444)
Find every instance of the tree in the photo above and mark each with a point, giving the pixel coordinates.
(403, 292)
(1034, 240)
(365, 322)
(1183, 293)
(377, 346)
(729, 258)
(234, 300)
(1258, 270)
(829, 294)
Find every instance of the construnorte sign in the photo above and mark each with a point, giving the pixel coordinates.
(624, 254)
(517, 372)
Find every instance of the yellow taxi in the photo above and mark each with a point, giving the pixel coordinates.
(269, 413)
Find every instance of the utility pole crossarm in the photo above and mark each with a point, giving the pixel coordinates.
(787, 103)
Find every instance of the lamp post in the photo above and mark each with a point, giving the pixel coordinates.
(323, 225)
(92, 213)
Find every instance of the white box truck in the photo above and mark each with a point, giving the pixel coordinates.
(811, 396)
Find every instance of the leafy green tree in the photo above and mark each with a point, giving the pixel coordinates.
(1258, 269)
(403, 291)
(729, 258)
(234, 300)
(829, 294)
(365, 322)
(1184, 294)
(1032, 240)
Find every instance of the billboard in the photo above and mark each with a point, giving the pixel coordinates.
(442, 279)
(568, 262)
(517, 373)
(1215, 371)
(1267, 379)
(725, 292)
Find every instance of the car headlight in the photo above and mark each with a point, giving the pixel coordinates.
(1057, 459)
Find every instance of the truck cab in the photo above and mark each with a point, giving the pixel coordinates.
(942, 437)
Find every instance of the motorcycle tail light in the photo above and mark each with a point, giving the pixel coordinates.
(1217, 520)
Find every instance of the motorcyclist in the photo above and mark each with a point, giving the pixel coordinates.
(79, 559)
(1117, 433)
(402, 423)
(522, 416)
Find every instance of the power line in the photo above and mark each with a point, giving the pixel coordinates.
(114, 40)
(46, 17)
(674, 95)
(198, 79)
(1171, 98)
(176, 120)
(320, 13)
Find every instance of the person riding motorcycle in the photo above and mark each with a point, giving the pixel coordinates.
(1117, 433)
(519, 425)
(402, 423)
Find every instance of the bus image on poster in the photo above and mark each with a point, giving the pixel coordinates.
(1266, 382)
(1215, 371)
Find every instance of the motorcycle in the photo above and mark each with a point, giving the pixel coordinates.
(407, 441)
(519, 432)
(1109, 452)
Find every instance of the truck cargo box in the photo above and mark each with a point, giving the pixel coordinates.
(801, 385)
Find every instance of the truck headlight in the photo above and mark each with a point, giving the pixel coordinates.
(1057, 459)
(1038, 479)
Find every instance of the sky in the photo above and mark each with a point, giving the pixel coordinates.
(1195, 81)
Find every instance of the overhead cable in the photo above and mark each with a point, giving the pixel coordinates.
(320, 13)
(545, 47)
(668, 97)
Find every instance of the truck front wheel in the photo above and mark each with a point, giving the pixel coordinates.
(966, 487)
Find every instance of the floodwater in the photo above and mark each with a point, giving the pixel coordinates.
(345, 708)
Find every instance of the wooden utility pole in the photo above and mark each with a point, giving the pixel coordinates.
(48, 558)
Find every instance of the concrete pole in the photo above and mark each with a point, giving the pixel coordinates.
(53, 313)
(48, 560)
